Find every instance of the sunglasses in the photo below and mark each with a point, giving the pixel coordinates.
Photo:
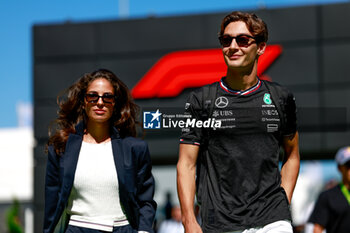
(241, 40)
(93, 98)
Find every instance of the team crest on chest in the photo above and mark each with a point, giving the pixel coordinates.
(267, 98)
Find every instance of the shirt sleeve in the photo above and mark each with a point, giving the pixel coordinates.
(190, 133)
(291, 115)
(320, 214)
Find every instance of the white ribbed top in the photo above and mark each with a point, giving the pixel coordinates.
(94, 200)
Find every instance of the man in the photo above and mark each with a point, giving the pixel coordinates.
(240, 186)
(332, 209)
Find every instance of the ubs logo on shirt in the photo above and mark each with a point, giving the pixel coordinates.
(222, 113)
(221, 102)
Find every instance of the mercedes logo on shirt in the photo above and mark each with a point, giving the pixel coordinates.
(221, 102)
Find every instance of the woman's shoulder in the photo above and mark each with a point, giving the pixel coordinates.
(51, 149)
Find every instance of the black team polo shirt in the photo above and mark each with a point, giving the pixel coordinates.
(240, 184)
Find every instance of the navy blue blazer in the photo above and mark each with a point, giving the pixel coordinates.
(136, 183)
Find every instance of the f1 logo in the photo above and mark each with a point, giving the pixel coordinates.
(177, 71)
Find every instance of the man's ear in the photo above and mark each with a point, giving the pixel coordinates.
(261, 48)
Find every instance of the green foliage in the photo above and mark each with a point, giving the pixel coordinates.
(12, 216)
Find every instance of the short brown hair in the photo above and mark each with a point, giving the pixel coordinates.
(255, 25)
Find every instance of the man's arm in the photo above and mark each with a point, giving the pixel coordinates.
(186, 186)
(290, 168)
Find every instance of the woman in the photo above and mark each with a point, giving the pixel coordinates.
(98, 176)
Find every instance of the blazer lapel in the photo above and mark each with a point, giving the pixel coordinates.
(118, 155)
(70, 157)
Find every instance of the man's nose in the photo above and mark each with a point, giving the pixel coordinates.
(234, 44)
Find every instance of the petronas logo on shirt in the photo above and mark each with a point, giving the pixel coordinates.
(267, 98)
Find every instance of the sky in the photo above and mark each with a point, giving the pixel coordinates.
(17, 18)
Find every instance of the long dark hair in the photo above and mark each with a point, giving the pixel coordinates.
(71, 109)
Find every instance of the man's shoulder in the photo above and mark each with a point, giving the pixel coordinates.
(280, 93)
(198, 95)
(211, 84)
(280, 88)
(206, 87)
